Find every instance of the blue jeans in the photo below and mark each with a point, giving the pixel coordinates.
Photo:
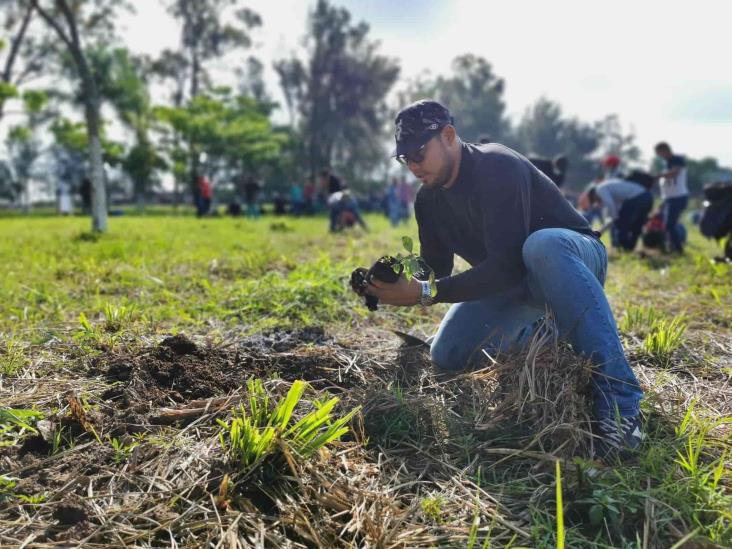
(565, 274)
(672, 209)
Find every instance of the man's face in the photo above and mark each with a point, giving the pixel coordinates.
(663, 153)
(435, 168)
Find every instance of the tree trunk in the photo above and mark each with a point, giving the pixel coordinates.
(141, 202)
(176, 193)
(91, 107)
(99, 191)
(193, 153)
(26, 195)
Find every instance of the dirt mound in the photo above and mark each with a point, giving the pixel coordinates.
(179, 344)
(178, 370)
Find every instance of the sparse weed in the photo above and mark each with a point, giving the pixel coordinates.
(92, 337)
(639, 320)
(12, 358)
(33, 499)
(15, 423)
(6, 487)
(661, 336)
(432, 508)
(664, 338)
(116, 317)
(57, 441)
(122, 451)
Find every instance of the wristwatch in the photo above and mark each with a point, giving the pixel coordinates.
(426, 298)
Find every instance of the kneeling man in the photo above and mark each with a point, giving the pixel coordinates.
(529, 251)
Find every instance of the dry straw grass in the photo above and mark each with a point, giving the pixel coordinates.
(479, 447)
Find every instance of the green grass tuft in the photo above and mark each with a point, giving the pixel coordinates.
(256, 430)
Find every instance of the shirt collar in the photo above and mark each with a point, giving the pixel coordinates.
(463, 182)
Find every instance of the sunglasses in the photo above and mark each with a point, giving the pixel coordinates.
(414, 157)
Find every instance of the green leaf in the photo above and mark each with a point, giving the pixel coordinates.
(407, 243)
(283, 411)
(85, 324)
(7, 91)
(596, 514)
(414, 267)
(35, 100)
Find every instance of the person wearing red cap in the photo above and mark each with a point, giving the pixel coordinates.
(611, 166)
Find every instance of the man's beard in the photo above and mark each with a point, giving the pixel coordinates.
(443, 177)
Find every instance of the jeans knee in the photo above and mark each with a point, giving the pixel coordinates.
(541, 246)
(447, 356)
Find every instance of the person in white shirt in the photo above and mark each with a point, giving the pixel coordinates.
(627, 202)
(65, 201)
(675, 195)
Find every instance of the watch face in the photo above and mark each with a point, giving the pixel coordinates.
(426, 297)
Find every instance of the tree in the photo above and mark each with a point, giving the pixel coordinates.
(544, 131)
(613, 140)
(24, 148)
(337, 96)
(251, 82)
(122, 77)
(209, 30)
(474, 95)
(27, 52)
(232, 132)
(541, 129)
(67, 19)
(704, 171)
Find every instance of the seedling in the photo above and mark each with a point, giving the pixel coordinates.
(121, 450)
(388, 269)
(14, 423)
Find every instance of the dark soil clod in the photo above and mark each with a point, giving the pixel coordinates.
(179, 344)
(70, 513)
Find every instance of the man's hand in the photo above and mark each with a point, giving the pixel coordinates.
(403, 292)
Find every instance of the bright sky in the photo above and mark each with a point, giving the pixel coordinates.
(662, 66)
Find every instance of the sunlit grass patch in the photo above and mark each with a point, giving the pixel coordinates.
(661, 336)
(664, 338)
(12, 357)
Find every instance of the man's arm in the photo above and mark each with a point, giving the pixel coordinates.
(504, 226)
(675, 164)
(670, 174)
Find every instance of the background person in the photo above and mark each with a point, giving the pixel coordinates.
(205, 194)
(674, 193)
(252, 188)
(628, 202)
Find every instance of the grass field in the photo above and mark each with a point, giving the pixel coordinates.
(149, 396)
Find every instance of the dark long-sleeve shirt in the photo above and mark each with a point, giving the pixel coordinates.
(498, 199)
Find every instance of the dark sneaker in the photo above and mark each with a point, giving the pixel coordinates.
(617, 438)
